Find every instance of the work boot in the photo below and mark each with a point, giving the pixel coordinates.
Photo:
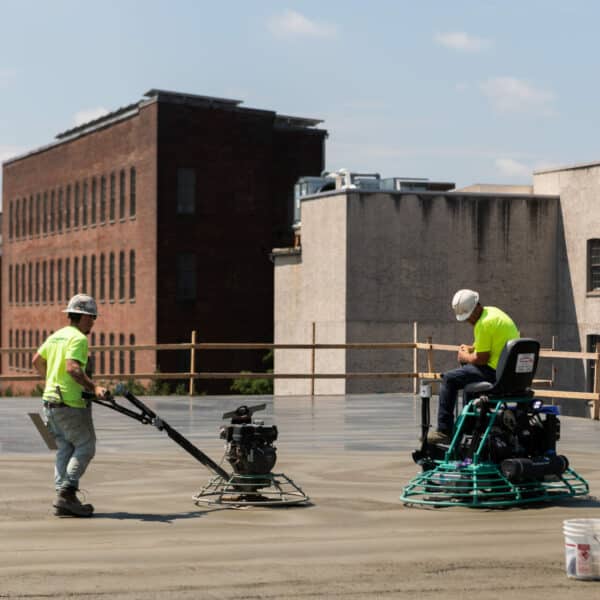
(438, 437)
(68, 505)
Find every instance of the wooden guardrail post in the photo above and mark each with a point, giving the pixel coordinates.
(430, 355)
(415, 356)
(596, 401)
(192, 363)
(312, 359)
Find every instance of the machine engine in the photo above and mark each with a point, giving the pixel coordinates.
(250, 449)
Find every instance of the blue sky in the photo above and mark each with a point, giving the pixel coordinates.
(470, 92)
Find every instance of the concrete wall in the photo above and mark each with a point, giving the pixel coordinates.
(372, 264)
(578, 188)
(311, 287)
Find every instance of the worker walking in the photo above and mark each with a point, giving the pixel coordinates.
(61, 360)
(492, 328)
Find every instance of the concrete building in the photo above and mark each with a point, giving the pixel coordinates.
(370, 263)
(166, 210)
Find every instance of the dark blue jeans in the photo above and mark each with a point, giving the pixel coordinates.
(456, 380)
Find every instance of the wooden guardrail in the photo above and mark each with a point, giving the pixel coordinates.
(429, 347)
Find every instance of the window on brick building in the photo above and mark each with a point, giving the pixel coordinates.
(30, 283)
(122, 194)
(102, 199)
(24, 217)
(84, 205)
(102, 277)
(10, 284)
(121, 354)
(132, 355)
(37, 282)
(186, 191)
(186, 276)
(52, 211)
(17, 286)
(132, 191)
(84, 266)
(113, 197)
(51, 286)
(67, 279)
(111, 354)
(10, 343)
(30, 227)
(76, 275)
(45, 215)
(93, 276)
(76, 201)
(121, 276)
(10, 219)
(59, 280)
(111, 277)
(23, 346)
(17, 205)
(132, 274)
(59, 214)
(593, 260)
(68, 207)
(44, 282)
(102, 358)
(38, 214)
(93, 202)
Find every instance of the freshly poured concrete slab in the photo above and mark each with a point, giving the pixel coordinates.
(351, 455)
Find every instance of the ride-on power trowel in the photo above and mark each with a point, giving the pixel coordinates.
(249, 451)
(503, 448)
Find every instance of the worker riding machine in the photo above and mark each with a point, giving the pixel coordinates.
(503, 448)
(249, 450)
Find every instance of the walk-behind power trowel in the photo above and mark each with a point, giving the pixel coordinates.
(503, 448)
(249, 451)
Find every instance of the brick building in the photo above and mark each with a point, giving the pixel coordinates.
(166, 211)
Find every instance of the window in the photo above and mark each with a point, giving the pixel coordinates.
(59, 280)
(93, 207)
(76, 275)
(186, 276)
(594, 265)
(122, 195)
(121, 354)
(111, 354)
(23, 217)
(52, 211)
(84, 205)
(51, 286)
(10, 343)
(186, 191)
(132, 354)
(113, 193)
(37, 282)
(93, 276)
(45, 215)
(30, 216)
(102, 277)
(17, 290)
(23, 298)
(10, 284)
(102, 359)
(67, 279)
(76, 206)
(30, 283)
(68, 208)
(17, 205)
(59, 219)
(103, 199)
(132, 275)
(84, 265)
(38, 214)
(111, 277)
(44, 282)
(121, 276)
(10, 220)
(132, 176)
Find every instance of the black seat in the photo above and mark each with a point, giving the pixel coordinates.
(515, 371)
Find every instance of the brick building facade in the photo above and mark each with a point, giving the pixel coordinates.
(166, 211)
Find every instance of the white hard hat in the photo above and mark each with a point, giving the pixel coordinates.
(82, 304)
(464, 303)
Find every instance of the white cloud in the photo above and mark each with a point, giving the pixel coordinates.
(512, 168)
(292, 23)
(459, 40)
(89, 114)
(508, 94)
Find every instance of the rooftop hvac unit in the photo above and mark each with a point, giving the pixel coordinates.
(404, 184)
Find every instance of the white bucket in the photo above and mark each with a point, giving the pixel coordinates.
(582, 548)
